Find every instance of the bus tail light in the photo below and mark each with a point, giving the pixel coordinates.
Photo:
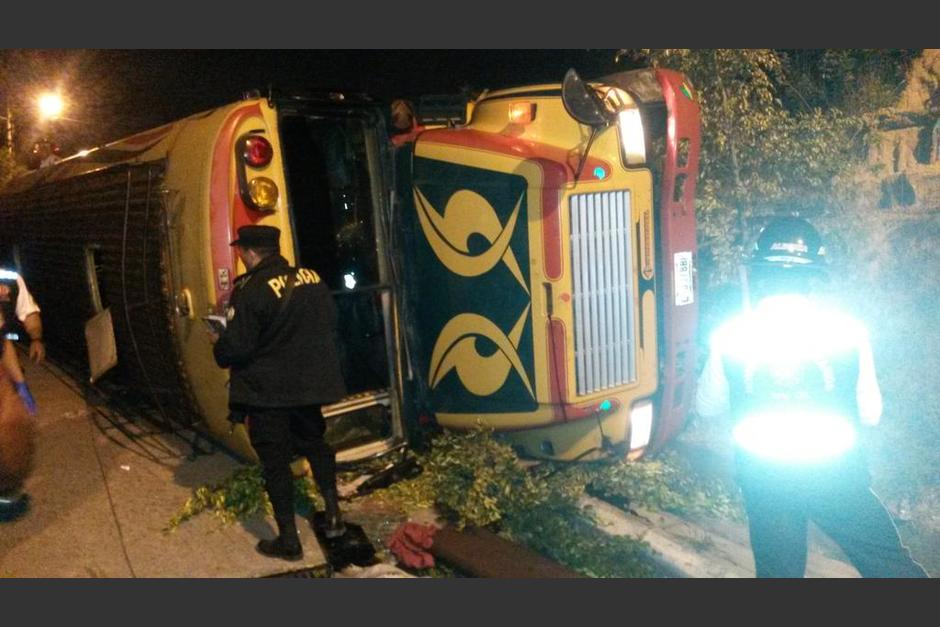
(256, 151)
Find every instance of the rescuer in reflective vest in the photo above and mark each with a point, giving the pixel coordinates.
(799, 381)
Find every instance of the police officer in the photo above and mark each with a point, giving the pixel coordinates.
(799, 381)
(279, 345)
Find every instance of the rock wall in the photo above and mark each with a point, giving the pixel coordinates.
(904, 152)
(922, 92)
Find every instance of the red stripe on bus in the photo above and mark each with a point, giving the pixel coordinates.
(554, 177)
(221, 201)
(678, 228)
(519, 148)
(557, 368)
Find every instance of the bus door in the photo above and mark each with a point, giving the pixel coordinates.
(335, 158)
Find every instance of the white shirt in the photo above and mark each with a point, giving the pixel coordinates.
(798, 329)
(25, 304)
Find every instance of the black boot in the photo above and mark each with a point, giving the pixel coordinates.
(278, 547)
(286, 545)
(12, 507)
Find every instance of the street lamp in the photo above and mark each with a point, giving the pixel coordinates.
(50, 106)
(8, 118)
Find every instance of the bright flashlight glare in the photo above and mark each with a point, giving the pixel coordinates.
(799, 333)
(350, 280)
(51, 105)
(795, 437)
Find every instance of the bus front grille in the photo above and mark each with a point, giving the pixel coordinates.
(602, 275)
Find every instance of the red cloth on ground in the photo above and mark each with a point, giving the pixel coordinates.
(410, 543)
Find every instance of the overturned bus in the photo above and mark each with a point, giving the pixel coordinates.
(529, 269)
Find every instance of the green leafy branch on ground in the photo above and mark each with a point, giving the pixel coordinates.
(667, 483)
(475, 480)
(241, 496)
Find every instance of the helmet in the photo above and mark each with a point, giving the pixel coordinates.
(789, 242)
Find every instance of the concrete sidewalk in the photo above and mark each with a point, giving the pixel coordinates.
(101, 497)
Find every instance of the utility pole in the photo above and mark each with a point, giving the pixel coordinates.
(9, 120)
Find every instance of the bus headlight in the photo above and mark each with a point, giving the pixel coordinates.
(795, 436)
(641, 424)
(632, 141)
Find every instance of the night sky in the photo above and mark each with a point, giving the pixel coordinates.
(113, 93)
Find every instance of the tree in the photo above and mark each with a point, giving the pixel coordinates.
(758, 158)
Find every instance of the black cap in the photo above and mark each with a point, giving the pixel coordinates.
(258, 236)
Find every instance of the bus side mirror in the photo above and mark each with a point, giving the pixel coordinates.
(582, 103)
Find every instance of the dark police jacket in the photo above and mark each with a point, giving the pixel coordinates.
(280, 356)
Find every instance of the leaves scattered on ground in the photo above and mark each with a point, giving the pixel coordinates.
(667, 483)
(472, 479)
(241, 496)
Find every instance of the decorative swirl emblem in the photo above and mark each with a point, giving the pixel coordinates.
(468, 213)
(456, 348)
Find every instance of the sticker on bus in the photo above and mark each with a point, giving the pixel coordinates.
(682, 278)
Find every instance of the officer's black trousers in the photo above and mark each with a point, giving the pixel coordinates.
(275, 434)
(846, 510)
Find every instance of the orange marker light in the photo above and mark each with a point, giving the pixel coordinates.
(263, 193)
(521, 112)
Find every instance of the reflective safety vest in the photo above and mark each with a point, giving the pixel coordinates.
(792, 372)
